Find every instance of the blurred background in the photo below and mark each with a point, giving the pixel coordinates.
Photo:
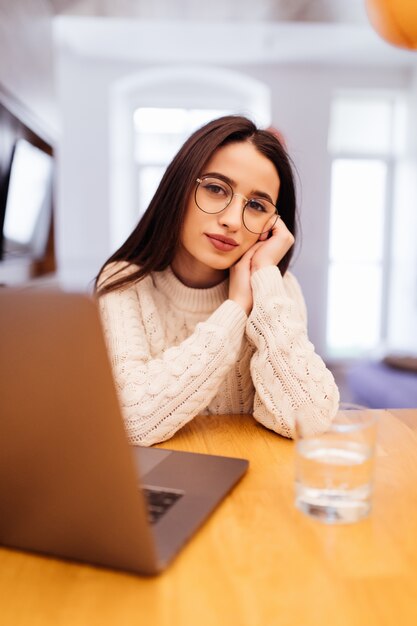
(97, 96)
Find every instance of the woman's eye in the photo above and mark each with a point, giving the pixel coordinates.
(256, 205)
(215, 190)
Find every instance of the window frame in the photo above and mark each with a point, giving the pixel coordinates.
(390, 160)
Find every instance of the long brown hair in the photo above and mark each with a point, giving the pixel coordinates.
(155, 240)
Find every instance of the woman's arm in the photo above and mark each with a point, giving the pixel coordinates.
(289, 377)
(160, 395)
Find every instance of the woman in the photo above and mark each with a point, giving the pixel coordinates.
(199, 311)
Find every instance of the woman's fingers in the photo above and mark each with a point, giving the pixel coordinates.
(240, 289)
(271, 250)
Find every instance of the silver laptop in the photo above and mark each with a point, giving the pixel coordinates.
(71, 486)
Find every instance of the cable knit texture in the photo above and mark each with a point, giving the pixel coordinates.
(177, 352)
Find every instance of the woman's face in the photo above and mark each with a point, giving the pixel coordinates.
(212, 242)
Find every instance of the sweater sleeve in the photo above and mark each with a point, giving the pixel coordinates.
(290, 379)
(160, 395)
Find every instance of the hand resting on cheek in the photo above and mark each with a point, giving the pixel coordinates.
(268, 250)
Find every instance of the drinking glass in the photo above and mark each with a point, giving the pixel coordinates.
(334, 469)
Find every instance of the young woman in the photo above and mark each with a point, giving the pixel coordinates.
(199, 311)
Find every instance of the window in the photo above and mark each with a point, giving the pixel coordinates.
(363, 141)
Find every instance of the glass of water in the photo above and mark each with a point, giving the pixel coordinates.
(334, 469)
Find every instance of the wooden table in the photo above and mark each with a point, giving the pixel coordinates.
(257, 561)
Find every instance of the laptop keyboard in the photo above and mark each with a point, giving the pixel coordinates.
(159, 501)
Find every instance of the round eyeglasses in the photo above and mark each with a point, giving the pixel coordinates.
(213, 195)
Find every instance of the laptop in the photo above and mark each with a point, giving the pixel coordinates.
(71, 486)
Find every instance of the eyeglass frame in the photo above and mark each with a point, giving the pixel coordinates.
(234, 193)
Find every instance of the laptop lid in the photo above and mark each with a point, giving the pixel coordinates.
(69, 483)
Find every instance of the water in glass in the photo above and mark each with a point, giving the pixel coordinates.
(334, 479)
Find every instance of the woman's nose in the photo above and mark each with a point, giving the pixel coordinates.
(232, 215)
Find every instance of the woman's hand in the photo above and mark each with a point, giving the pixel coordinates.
(271, 251)
(267, 251)
(240, 289)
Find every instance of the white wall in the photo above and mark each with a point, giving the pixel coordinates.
(302, 67)
(301, 97)
(26, 64)
(82, 224)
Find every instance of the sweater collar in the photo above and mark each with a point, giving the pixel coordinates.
(188, 298)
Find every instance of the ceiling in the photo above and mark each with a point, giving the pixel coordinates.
(325, 11)
(325, 32)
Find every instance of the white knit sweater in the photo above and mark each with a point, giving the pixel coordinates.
(178, 352)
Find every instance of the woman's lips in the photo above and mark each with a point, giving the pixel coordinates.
(221, 243)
